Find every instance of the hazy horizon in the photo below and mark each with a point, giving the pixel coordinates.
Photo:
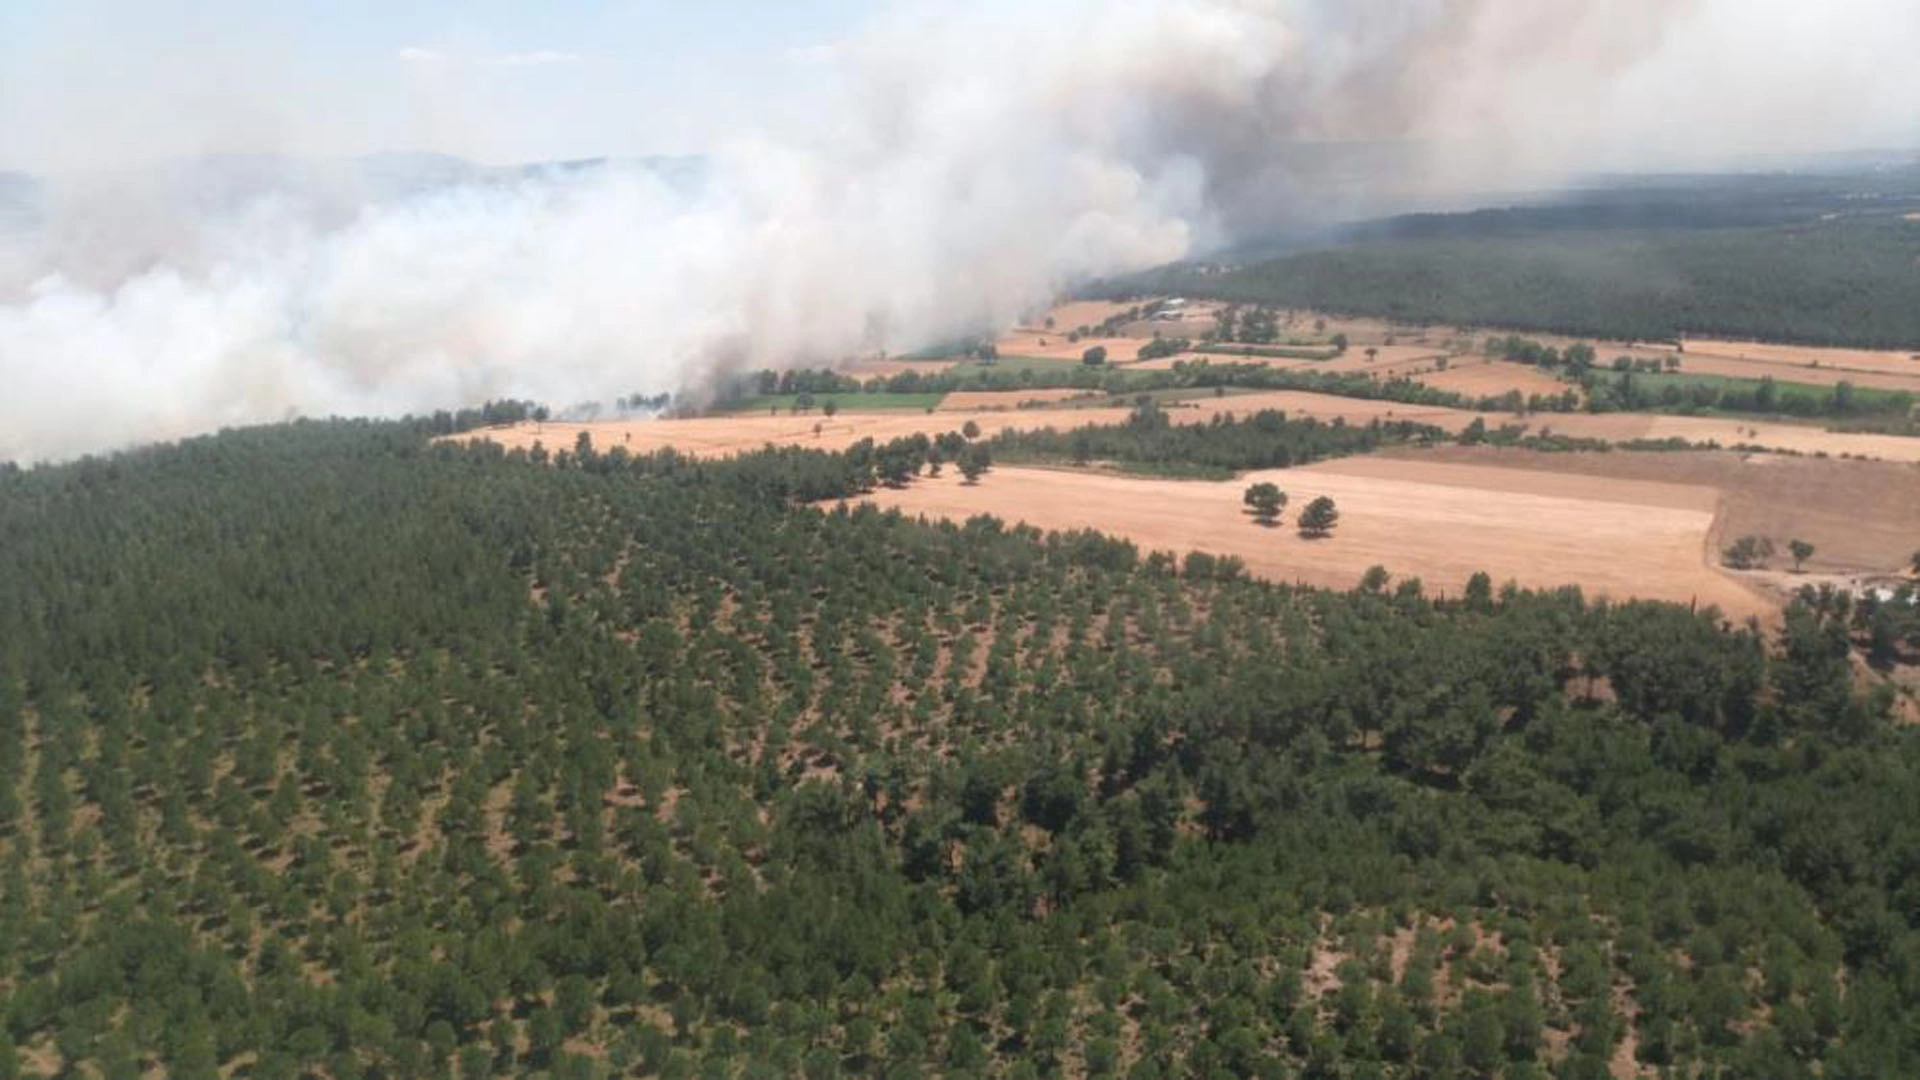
(876, 175)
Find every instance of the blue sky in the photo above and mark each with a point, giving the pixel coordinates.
(93, 83)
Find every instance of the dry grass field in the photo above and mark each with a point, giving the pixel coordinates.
(1436, 521)
(1072, 316)
(719, 436)
(1120, 350)
(1793, 438)
(1863, 517)
(1801, 357)
(1388, 360)
(724, 436)
(998, 400)
(1482, 377)
(1706, 364)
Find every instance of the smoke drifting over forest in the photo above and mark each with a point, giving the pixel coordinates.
(958, 164)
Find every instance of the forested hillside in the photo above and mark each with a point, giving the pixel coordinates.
(328, 751)
(1848, 281)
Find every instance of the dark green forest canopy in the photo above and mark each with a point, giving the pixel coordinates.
(1849, 281)
(327, 750)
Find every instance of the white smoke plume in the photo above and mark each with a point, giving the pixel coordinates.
(964, 161)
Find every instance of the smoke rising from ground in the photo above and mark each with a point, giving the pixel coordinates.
(955, 166)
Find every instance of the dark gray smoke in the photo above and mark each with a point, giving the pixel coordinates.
(964, 162)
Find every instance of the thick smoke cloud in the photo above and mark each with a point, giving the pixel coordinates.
(960, 163)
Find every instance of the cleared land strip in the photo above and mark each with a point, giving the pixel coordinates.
(1440, 523)
(720, 436)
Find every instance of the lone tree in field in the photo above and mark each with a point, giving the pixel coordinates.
(830, 407)
(1801, 552)
(1748, 552)
(1266, 500)
(803, 401)
(1095, 356)
(1319, 518)
(974, 461)
(970, 429)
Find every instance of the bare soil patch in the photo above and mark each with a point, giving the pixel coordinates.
(1441, 523)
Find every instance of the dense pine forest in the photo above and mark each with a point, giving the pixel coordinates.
(1842, 282)
(329, 751)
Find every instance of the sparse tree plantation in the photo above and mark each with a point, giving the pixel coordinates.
(329, 751)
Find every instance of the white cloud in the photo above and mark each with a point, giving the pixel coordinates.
(414, 54)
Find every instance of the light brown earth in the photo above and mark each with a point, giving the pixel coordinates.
(1863, 517)
(971, 400)
(1823, 375)
(719, 436)
(1390, 360)
(1387, 359)
(1700, 429)
(1120, 350)
(1438, 522)
(724, 436)
(1479, 377)
(1888, 361)
(1079, 313)
(1325, 407)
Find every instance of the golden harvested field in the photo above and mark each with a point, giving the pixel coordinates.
(1704, 364)
(1802, 358)
(1789, 437)
(719, 436)
(1390, 360)
(1863, 517)
(1072, 316)
(1387, 359)
(1478, 377)
(1325, 407)
(1438, 522)
(724, 436)
(1120, 350)
(975, 400)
